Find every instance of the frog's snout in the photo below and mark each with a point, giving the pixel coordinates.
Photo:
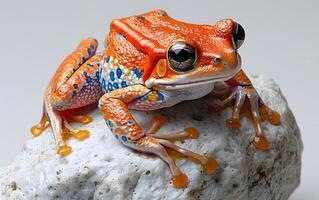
(238, 35)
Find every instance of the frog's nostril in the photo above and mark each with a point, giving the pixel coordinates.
(238, 35)
(217, 59)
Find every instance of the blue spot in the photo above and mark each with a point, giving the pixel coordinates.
(85, 73)
(116, 86)
(90, 64)
(97, 75)
(124, 138)
(92, 46)
(109, 86)
(154, 25)
(129, 122)
(74, 70)
(122, 37)
(108, 59)
(98, 64)
(88, 79)
(165, 23)
(160, 97)
(118, 72)
(117, 137)
(123, 84)
(112, 76)
(109, 122)
(73, 93)
(83, 59)
(89, 51)
(75, 86)
(137, 73)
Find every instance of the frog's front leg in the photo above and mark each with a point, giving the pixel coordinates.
(245, 99)
(115, 105)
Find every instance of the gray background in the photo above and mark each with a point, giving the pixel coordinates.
(282, 42)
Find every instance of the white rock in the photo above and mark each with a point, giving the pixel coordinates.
(101, 168)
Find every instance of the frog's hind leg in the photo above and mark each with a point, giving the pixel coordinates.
(74, 85)
(56, 122)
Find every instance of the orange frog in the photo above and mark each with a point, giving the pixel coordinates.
(152, 61)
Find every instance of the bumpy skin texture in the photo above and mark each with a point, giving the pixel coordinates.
(136, 71)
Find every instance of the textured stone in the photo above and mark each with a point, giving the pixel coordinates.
(101, 168)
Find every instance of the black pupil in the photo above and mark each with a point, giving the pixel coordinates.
(180, 55)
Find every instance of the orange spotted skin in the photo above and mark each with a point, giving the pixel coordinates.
(152, 61)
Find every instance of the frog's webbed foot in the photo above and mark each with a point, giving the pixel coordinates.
(245, 100)
(68, 131)
(38, 129)
(168, 152)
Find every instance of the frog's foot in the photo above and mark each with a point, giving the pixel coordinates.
(38, 129)
(168, 152)
(69, 131)
(246, 101)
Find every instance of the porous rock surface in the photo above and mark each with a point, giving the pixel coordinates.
(101, 168)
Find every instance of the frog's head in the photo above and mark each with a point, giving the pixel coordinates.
(208, 53)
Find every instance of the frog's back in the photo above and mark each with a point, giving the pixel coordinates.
(158, 26)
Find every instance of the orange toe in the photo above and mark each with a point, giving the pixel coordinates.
(36, 131)
(275, 118)
(210, 166)
(86, 120)
(180, 180)
(233, 123)
(80, 134)
(64, 150)
(261, 142)
(192, 132)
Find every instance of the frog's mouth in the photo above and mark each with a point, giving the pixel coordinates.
(182, 81)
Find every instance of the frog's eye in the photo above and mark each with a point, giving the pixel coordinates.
(181, 56)
(238, 35)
